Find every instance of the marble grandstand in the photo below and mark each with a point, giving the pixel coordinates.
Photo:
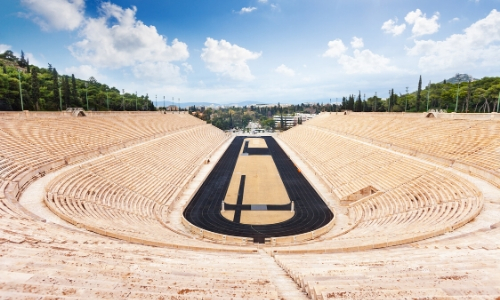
(92, 207)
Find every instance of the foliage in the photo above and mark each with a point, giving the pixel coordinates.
(46, 90)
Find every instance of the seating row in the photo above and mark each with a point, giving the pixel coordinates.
(413, 200)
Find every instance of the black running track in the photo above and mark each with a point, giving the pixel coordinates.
(204, 209)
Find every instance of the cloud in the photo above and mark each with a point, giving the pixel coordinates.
(187, 67)
(229, 60)
(158, 71)
(127, 43)
(84, 72)
(335, 48)
(365, 62)
(422, 25)
(31, 58)
(390, 27)
(4, 48)
(357, 43)
(282, 69)
(262, 1)
(246, 10)
(56, 14)
(479, 45)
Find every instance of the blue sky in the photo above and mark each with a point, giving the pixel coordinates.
(259, 50)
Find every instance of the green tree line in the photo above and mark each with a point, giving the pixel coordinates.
(44, 89)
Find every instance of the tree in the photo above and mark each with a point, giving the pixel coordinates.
(35, 88)
(74, 92)
(350, 103)
(66, 91)
(22, 61)
(419, 93)
(55, 86)
(359, 105)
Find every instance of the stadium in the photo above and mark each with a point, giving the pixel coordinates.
(162, 205)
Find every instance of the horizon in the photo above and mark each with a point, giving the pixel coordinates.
(259, 50)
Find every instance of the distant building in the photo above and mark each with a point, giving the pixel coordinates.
(460, 78)
(292, 120)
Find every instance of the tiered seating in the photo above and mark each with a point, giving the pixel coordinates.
(42, 259)
(397, 273)
(469, 142)
(48, 261)
(414, 200)
(125, 195)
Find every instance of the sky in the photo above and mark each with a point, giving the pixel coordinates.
(267, 51)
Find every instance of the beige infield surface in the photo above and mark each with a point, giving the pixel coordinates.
(263, 186)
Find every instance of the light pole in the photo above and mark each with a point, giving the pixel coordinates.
(107, 98)
(456, 103)
(156, 100)
(123, 98)
(179, 99)
(20, 89)
(136, 100)
(406, 98)
(86, 96)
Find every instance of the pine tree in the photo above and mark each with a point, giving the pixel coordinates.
(350, 104)
(418, 93)
(55, 85)
(28, 68)
(22, 61)
(35, 88)
(66, 91)
(359, 105)
(74, 92)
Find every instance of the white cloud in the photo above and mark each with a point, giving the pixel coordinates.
(4, 48)
(31, 58)
(357, 43)
(158, 71)
(246, 10)
(365, 62)
(390, 27)
(275, 7)
(422, 25)
(454, 20)
(479, 45)
(56, 14)
(127, 43)
(229, 60)
(282, 69)
(187, 67)
(84, 72)
(262, 1)
(335, 48)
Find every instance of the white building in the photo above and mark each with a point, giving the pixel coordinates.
(291, 120)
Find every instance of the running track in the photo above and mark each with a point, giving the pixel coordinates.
(203, 211)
